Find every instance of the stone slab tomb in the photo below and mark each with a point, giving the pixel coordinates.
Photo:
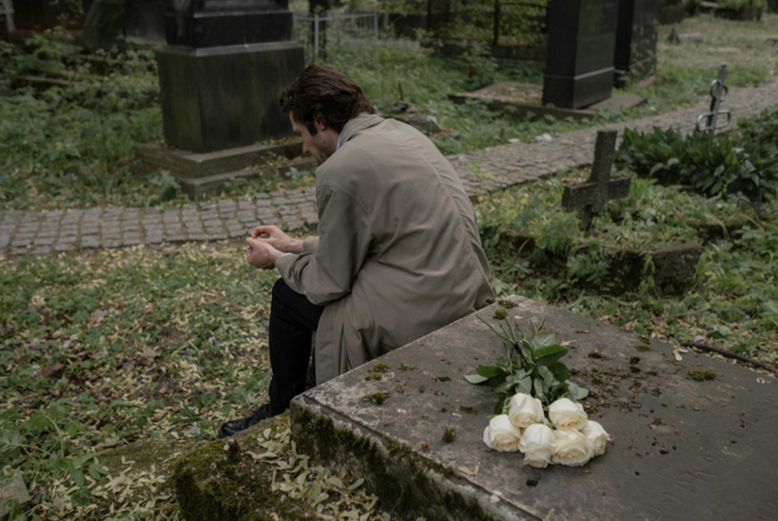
(525, 100)
(694, 435)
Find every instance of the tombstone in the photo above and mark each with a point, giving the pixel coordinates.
(222, 71)
(109, 20)
(145, 20)
(600, 188)
(636, 37)
(580, 52)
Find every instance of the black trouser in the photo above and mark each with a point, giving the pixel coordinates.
(293, 319)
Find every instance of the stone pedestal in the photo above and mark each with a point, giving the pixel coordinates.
(210, 28)
(579, 62)
(635, 56)
(222, 97)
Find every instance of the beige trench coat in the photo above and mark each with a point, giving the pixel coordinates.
(398, 253)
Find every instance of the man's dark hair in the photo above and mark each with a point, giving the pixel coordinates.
(325, 94)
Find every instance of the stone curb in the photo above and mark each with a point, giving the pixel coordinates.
(483, 171)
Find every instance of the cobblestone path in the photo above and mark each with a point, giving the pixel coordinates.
(483, 171)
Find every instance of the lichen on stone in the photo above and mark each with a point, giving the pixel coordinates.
(701, 375)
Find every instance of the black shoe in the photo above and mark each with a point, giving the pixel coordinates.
(231, 427)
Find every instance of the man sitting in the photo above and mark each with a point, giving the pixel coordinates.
(398, 253)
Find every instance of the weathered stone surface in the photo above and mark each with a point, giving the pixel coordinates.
(579, 59)
(684, 449)
(225, 97)
(599, 188)
(227, 480)
(211, 23)
(675, 267)
(185, 163)
(636, 38)
(15, 490)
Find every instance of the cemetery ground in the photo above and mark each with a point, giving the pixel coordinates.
(115, 361)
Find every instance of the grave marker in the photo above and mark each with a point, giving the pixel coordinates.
(221, 73)
(600, 188)
(685, 447)
(718, 93)
(580, 51)
(636, 37)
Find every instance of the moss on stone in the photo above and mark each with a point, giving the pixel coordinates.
(701, 375)
(143, 454)
(213, 483)
(377, 398)
(401, 478)
(506, 303)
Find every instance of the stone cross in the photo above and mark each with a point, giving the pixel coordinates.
(600, 188)
(718, 93)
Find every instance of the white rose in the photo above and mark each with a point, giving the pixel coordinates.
(501, 435)
(524, 410)
(567, 414)
(596, 436)
(571, 448)
(537, 445)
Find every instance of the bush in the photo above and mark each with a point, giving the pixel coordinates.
(745, 162)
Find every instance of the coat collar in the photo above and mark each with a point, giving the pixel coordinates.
(355, 125)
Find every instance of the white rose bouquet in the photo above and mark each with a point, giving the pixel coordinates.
(530, 376)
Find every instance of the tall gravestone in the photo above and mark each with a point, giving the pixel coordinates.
(222, 70)
(636, 36)
(580, 50)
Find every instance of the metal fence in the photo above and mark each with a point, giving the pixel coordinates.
(315, 32)
(7, 9)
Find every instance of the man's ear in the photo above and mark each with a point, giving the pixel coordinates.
(318, 122)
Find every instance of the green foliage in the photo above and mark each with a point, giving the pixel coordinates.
(746, 163)
(736, 286)
(558, 235)
(168, 186)
(531, 365)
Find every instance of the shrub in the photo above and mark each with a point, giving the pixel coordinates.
(744, 162)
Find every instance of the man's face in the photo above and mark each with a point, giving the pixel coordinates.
(321, 145)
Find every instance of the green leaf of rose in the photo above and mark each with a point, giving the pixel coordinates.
(475, 378)
(489, 371)
(549, 355)
(525, 384)
(542, 340)
(576, 392)
(560, 371)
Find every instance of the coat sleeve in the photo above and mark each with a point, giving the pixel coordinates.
(325, 273)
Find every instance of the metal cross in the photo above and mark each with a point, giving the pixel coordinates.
(600, 188)
(718, 93)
